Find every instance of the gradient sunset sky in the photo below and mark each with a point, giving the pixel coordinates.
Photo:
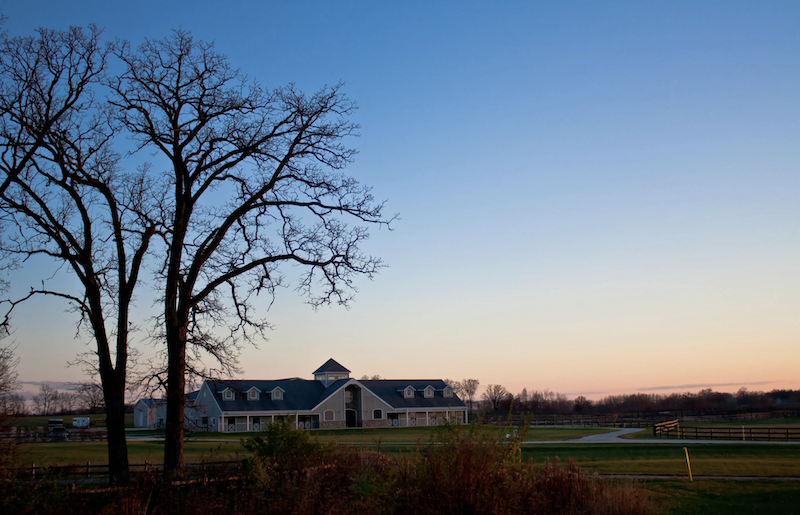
(595, 197)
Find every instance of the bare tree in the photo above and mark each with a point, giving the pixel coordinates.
(494, 395)
(45, 402)
(63, 196)
(9, 383)
(255, 184)
(470, 388)
(67, 402)
(376, 377)
(90, 397)
(12, 405)
(454, 385)
(9, 379)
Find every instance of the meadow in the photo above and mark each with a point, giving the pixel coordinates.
(674, 496)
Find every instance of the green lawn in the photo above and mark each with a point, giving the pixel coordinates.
(725, 497)
(677, 497)
(713, 460)
(138, 452)
(406, 434)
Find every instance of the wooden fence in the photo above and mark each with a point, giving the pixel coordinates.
(41, 435)
(673, 429)
(88, 472)
(664, 428)
(627, 420)
(610, 421)
(768, 434)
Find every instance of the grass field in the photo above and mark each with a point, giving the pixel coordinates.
(703, 496)
(728, 497)
(711, 460)
(199, 445)
(138, 452)
(411, 435)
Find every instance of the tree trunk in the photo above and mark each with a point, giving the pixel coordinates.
(115, 424)
(176, 383)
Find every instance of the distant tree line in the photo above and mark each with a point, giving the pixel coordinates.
(545, 402)
(85, 398)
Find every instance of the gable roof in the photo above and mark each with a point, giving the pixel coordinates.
(392, 392)
(331, 366)
(150, 402)
(306, 395)
(298, 394)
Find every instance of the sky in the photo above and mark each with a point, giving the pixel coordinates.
(594, 197)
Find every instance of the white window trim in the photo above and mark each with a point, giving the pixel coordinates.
(408, 393)
(429, 392)
(252, 394)
(277, 393)
(325, 415)
(380, 414)
(448, 392)
(228, 395)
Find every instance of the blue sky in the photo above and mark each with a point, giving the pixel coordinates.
(594, 196)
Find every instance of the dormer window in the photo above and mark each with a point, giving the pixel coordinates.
(227, 394)
(252, 394)
(448, 392)
(429, 391)
(277, 394)
(408, 393)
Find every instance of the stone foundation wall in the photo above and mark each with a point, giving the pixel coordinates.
(375, 423)
(332, 424)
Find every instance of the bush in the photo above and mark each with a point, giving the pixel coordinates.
(463, 470)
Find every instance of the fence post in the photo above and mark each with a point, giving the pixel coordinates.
(33, 470)
(688, 464)
(87, 468)
(145, 466)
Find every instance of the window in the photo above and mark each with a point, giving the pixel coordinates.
(348, 396)
(204, 421)
(277, 394)
(228, 395)
(429, 391)
(252, 394)
(377, 414)
(409, 393)
(328, 416)
(448, 392)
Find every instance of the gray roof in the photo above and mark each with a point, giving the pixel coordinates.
(299, 394)
(191, 396)
(304, 395)
(392, 391)
(331, 366)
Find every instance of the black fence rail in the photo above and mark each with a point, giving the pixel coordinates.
(743, 433)
(41, 435)
(629, 420)
(88, 472)
(610, 421)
